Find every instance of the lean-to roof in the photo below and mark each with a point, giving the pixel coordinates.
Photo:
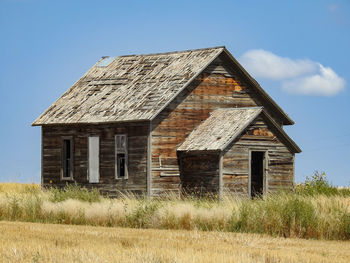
(225, 125)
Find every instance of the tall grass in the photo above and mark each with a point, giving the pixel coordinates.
(304, 214)
(73, 191)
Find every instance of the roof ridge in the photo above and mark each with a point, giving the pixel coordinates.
(168, 52)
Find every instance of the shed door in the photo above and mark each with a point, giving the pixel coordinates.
(257, 169)
(94, 159)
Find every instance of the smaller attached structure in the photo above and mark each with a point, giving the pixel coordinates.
(231, 143)
(191, 120)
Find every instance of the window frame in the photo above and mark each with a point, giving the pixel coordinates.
(71, 161)
(121, 151)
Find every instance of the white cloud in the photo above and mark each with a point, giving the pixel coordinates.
(324, 83)
(333, 7)
(297, 76)
(265, 64)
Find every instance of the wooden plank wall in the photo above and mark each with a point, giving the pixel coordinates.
(200, 174)
(216, 87)
(137, 147)
(280, 161)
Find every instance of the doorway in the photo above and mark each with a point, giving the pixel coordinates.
(257, 167)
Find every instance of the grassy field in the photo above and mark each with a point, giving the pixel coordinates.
(317, 212)
(35, 242)
(285, 214)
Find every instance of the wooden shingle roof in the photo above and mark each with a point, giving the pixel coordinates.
(225, 125)
(128, 88)
(137, 88)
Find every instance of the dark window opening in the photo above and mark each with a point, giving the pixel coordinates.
(121, 156)
(121, 165)
(257, 173)
(67, 158)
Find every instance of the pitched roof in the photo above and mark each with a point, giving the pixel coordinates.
(128, 88)
(227, 124)
(286, 120)
(136, 87)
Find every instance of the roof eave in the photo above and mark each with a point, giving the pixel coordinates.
(292, 145)
(89, 123)
(204, 151)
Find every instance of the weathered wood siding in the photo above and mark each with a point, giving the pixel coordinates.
(137, 154)
(217, 87)
(280, 161)
(199, 173)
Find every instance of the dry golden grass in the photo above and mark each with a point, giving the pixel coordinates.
(18, 187)
(286, 215)
(34, 242)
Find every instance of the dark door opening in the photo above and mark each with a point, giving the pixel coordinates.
(257, 173)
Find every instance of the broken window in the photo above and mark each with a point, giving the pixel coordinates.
(121, 156)
(67, 158)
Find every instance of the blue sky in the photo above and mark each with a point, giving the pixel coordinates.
(47, 45)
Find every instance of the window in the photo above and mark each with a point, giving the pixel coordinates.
(121, 156)
(94, 159)
(67, 158)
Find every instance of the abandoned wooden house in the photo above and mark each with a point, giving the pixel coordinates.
(192, 120)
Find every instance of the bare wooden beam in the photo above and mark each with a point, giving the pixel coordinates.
(220, 175)
(149, 161)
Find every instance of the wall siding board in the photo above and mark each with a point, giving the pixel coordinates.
(280, 166)
(217, 87)
(137, 154)
(200, 174)
(154, 164)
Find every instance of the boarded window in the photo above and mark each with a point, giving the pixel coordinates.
(121, 156)
(67, 158)
(94, 159)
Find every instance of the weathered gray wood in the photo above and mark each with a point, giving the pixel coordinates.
(221, 175)
(121, 146)
(220, 129)
(137, 155)
(177, 96)
(200, 174)
(149, 160)
(42, 156)
(216, 88)
(280, 171)
(128, 89)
